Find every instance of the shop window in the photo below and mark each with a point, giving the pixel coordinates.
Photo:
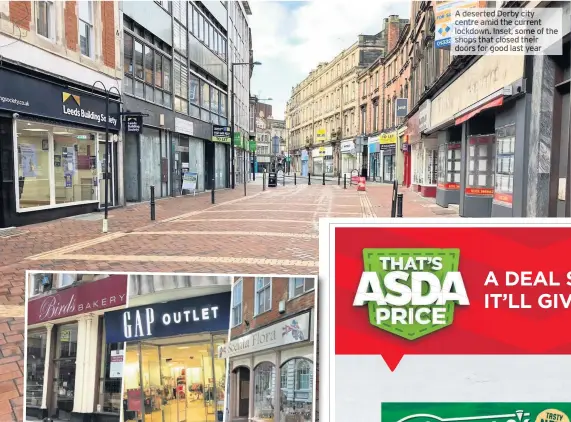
(180, 87)
(85, 27)
(39, 283)
(64, 369)
(179, 39)
(45, 19)
(300, 286)
(35, 366)
(505, 163)
(110, 378)
(237, 303)
(263, 298)
(432, 167)
(194, 94)
(297, 395)
(481, 159)
(68, 179)
(264, 376)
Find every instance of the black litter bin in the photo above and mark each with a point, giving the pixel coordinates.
(272, 180)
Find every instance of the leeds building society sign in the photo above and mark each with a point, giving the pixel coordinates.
(180, 317)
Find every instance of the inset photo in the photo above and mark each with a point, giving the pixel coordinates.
(71, 370)
(272, 349)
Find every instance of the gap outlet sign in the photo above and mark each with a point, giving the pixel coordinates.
(180, 317)
(448, 313)
(35, 97)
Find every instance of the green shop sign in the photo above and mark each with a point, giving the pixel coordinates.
(432, 271)
(475, 412)
(238, 140)
(252, 145)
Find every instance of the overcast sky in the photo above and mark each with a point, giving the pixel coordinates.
(291, 37)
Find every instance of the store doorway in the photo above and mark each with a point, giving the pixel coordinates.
(180, 380)
(63, 389)
(388, 171)
(243, 391)
(111, 171)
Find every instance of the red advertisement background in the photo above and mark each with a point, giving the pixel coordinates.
(475, 330)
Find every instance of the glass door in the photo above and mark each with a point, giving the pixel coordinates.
(64, 375)
(101, 171)
(153, 390)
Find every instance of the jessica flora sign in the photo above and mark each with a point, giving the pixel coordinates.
(292, 330)
(187, 316)
(96, 295)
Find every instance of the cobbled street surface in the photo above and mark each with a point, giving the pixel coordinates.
(266, 232)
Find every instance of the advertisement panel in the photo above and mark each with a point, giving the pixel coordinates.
(453, 314)
(443, 27)
(321, 135)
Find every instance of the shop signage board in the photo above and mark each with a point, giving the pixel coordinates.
(189, 180)
(348, 147)
(424, 116)
(221, 134)
(97, 295)
(304, 155)
(237, 140)
(401, 107)
(292, 330)
(321, 135)
(252, 143)
(442, 314)
(35, 97)
(179, 317)
(444, 22)
(116, 361)
(486, 77)
(186, 127)
(134, 124)
(477, 412)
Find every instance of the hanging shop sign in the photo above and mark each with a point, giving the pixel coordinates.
(348, 147)
(185, 127)
(238, 140)
(180, 317)
(27, 95)
(108, 292)
(221, 134)
(485, 78)
(293, 330)
(252, 143)
(134, 124)
(321, 135)
(401, 107)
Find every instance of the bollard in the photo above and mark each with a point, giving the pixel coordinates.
(399, 205)
(284, 179)
(212, 191)
(344, 181)
(309, 178)
(294, 179)
(264, 180)
(323, 178)
(152, 203)
(394, 201)
(339, 179)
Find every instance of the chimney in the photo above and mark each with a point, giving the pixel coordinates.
(392, 26)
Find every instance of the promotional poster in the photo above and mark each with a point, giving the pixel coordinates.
(434, 322)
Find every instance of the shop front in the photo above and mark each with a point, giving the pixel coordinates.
(472, 163)
(348, 157)
(322, 160)
(172, 369)
(374, 147)
(52, 150)
(272, 372)
(72, 373)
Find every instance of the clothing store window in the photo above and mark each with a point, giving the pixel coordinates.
(263, 298)
(299, 286)
(264, 376)
(64, 370)
(297, 396)
(35, 366)
(237, 303)
(111, 374)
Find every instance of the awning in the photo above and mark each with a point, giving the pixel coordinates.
(491, 104)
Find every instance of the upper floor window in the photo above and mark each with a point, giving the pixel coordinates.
(86, 27)
(44, 19)
(263, 295)
(237, 303)
(300, 286)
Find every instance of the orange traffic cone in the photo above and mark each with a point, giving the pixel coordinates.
(361, 185)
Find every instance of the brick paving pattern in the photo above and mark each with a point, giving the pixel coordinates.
(268, 232)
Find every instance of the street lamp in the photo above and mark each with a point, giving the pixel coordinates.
(233, 174)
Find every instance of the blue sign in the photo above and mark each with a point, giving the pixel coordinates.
(167, 319)
(446, 42)
(304, 155)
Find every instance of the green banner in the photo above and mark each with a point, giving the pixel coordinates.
(238, 140)
(384, 262)
(252, 146)
(475, 412)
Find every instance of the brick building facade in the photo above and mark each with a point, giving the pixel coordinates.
(271, 349)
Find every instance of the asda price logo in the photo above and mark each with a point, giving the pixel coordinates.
(411, 292)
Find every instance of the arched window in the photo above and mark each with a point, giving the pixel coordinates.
(296, 396)
(264, 382)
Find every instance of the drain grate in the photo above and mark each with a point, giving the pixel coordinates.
(11, 232)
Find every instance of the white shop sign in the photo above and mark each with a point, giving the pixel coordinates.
(424, 116)
(347, 147)
(116, 364)
(293, 330)
(322, 152)
(183, 126)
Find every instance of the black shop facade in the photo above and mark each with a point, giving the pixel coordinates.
(52, 148)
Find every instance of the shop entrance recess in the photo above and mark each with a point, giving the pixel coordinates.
(175, 380)
(101, 163)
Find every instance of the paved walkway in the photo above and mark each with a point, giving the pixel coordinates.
(273, 231)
